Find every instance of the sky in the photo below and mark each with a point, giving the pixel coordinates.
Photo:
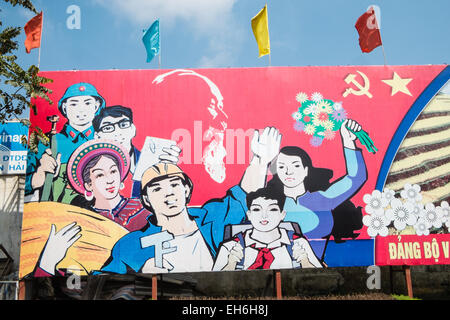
(217, 33)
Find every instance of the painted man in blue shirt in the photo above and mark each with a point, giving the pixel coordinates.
(79, 104)
(179, 238)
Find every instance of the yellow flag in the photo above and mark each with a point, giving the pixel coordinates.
(260, 27)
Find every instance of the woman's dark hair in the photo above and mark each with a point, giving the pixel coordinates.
(317, 178)
(93, 162)
(347, 217)
(80, 200)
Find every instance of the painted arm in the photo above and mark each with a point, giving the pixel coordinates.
(265, 147)
(345, 187)
(128, 253)
(38, 166)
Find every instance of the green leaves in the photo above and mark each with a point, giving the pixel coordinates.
(6, 39)
(24, 3)
(21, 88)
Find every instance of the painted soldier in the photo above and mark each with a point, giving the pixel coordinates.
(46, 170)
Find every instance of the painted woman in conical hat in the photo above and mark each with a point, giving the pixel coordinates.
(96, 170)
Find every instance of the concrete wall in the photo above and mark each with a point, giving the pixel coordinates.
(11, 209)
(428, 282)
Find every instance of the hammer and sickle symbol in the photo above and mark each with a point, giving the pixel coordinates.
(363, 89)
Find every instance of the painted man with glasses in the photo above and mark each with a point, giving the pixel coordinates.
(116, 123)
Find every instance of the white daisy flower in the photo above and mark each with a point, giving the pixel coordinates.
(316, 96)
(328, 125)
(310, 129)
(389, 194)
(432, 215)
(421, 227)
(337, 105)
(445, 211)
(411, 193)
(376, 225)
(324, 107)
(375, 203)
(311, 109)
(301, 97)
(297, 116)
(401, 213)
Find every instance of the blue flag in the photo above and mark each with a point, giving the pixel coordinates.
(151, 40)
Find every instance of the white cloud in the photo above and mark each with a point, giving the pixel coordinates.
(204, 14)
(206, 18)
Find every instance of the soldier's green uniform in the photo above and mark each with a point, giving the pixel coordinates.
(67, 141)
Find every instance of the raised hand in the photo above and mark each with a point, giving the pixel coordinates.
(348, 137)
(57, 245)
(265, 146)
(171, 154)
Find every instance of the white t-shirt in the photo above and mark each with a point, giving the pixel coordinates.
(282, 258)
(192, 253)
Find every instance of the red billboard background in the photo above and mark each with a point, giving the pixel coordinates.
(253, 98)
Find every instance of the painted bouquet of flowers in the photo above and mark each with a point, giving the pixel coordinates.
(321, 118)
(389, 215)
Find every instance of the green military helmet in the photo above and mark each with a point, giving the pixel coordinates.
(81, 89)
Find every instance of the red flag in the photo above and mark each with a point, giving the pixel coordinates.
(33, 30)
(369, 32)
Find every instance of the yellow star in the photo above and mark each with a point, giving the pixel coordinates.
(398, 84)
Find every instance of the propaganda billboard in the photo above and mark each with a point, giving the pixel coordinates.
(186, 170)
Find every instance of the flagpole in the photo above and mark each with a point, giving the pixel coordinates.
(384, 55)
(381, 38)
(267, 13)
(40, 44)
(382, 47)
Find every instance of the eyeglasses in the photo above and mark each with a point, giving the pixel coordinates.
(122, 124)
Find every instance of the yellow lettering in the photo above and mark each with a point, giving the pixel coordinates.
(445, 248)
(392, 251)
(417, 253)
(427, 250)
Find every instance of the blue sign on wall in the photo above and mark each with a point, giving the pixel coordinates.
(13, 152)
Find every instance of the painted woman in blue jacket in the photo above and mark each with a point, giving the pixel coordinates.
(321, 208)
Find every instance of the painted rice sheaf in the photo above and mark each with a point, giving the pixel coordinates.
(414, 204)
(99, 236)
(424, 156)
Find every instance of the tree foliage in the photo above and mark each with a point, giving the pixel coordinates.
(21, 87)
